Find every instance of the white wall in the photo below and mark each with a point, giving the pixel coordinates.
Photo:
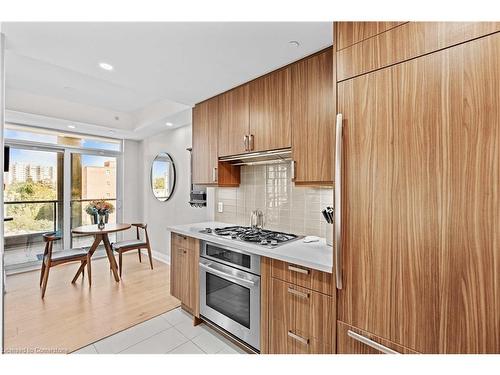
(158, 215)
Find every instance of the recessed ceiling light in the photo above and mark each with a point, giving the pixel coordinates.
(169, 124)
(105, 66)
(294, 43)
(71, 126)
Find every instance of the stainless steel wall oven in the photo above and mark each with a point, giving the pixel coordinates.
(230, 290)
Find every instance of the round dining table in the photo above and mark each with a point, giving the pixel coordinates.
(101, 235)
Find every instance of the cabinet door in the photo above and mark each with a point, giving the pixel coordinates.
(233, 121)
(270, 111)
(347, 344)
(366, 300)
(205, 133)
(313, 117)
(184, 279)
(421, 201)
(191, 279)
(176, 271)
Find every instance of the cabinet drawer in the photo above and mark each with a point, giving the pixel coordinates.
(179, 240)
(351, 340)
(302, 276)
(186, 242)
(301, 320)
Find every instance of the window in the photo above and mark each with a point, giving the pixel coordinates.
(24, 133)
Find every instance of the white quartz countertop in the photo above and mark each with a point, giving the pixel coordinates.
(315, 255)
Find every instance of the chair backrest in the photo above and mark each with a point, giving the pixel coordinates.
(144, 227)
(49, 239)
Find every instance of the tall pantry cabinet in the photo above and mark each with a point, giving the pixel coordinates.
(420, 246)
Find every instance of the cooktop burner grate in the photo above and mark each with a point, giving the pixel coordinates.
(261, 236)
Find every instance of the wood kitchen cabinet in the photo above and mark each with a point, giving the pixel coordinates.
(313, 118)
(269, 125)
(290, 108)
(406, 41)
(256, 116)
(300, 320)
(351, 340)
(296, 318)
(205, 134)
(420, 201)
(206, 169)
(349, 33)
(234, 121)
(184, 280)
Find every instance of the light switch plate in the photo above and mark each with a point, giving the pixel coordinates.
(220, 207)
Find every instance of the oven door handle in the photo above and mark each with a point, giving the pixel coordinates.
(228, 276)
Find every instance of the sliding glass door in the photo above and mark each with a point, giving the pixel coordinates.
(93, 177)
(33, 203)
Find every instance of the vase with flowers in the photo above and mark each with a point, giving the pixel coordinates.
(99, 211)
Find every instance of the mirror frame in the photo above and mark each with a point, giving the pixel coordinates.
(151, 176)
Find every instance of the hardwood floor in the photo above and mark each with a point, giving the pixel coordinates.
(73, 316)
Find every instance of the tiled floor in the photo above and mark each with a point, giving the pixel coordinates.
(172, 332)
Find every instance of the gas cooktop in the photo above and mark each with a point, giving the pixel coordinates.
(262, 237)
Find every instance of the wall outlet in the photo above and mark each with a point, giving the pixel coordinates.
(220, 207)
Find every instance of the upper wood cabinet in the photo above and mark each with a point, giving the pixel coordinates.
(404, 42)
(270, 111)
(292, 107)
(312, 118)
(205, 134)
(349, 33)
(234, 121)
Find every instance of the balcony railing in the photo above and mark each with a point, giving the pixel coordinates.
(30, 220)
(33, 218)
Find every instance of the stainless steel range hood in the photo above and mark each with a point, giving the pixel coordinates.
(256, 158)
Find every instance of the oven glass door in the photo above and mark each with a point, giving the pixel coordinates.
(230, 298)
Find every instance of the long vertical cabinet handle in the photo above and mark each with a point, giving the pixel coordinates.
(373, 344)
(245, 142)
(214, 174)
(338, 202)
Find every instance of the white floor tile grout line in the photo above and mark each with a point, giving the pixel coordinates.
(153, 335)
(172, 326)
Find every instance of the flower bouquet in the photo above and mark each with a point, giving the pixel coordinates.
(99, 209)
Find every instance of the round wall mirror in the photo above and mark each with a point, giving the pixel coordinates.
(163, 177)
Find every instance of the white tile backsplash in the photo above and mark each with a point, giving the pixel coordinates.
(286, 207)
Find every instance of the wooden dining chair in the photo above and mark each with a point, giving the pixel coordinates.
(51, 259)
(137, 244)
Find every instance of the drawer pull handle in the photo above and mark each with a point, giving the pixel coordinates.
(297, 293)
(299, 270)
(370, 343)
(298, 338)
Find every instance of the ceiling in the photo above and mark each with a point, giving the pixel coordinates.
(161, 69)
